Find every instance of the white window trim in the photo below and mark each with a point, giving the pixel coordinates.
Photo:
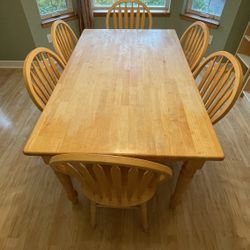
(164, 7)
(58, 13)
(189, 10)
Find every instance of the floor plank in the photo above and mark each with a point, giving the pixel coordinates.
(35, 213)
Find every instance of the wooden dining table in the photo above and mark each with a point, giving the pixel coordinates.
(127, 93)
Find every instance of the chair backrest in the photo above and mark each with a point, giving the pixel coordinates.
(64, 39)
(111, 180)
(219, 80)
(194, 42)
(42, 69)
(128, 14)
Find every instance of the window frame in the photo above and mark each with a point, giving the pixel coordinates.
(57, 13)
(189, 10)
(166, 7)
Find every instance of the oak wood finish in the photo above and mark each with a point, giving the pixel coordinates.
(148, 106)
(64, 39)
(113, 181)
(187, 172)
(117, 103)
(35, 213)
(219, 80)
(128, 14)
(65, 180)
(41, 71)
(194, 42)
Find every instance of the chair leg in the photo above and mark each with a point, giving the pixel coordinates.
(144, 217)
(93, 213)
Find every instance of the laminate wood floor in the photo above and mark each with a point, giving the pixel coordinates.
(35, 213)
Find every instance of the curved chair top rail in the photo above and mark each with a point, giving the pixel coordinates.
(194, 42)
(219, 82)
(113, 180)
(64, 39)
(42, 70)
(128, 14)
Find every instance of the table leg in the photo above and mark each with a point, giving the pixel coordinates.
(186, 174)
(46, 159)
(67, 185)
(65, 181)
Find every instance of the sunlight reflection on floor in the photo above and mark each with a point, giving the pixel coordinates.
(5, 122)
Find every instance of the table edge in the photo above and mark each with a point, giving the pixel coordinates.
(175, 158)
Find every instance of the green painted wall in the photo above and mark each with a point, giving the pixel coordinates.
(239, 26)
(40, 34)
(16, 39)
(29, 32)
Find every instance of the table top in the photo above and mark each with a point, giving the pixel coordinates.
(126, 92)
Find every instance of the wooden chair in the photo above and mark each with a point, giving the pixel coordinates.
(42, 69)
(194, 42)
(113, 181)
(219, 80)
(128, 14)
(64, 39)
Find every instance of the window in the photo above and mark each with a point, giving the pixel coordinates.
(206, 8)
(152, 4)
(52, 8)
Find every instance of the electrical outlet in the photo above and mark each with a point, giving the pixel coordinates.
(49, 38)
(210, 39)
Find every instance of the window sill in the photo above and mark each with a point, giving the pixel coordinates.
(101, 13)
(45, 23)
(213, 24)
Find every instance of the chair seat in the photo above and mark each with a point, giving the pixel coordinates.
(123, 201)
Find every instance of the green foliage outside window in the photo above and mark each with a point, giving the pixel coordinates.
(147, 2)
(213, 7)
(50, 6)
(199, 5)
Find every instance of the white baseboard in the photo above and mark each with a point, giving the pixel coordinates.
(11, 64)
